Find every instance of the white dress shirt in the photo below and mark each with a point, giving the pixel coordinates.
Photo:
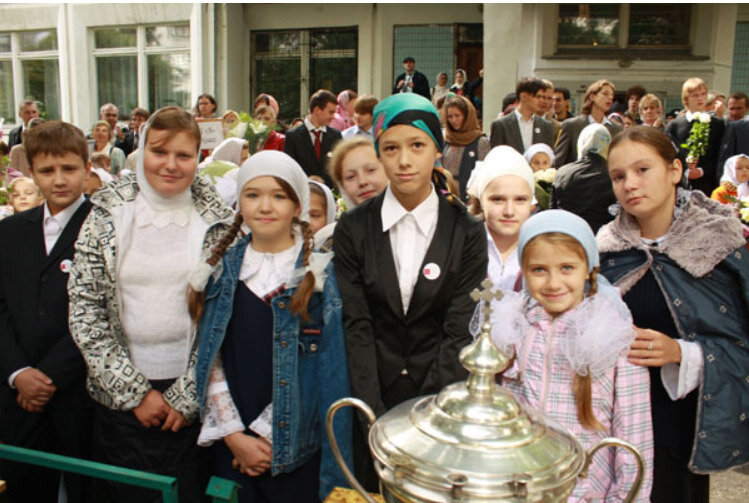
(526, 129)
(311, 129)
(355, 130)
(411, 232)
(605, 120)
(54, 225)
(503, 275)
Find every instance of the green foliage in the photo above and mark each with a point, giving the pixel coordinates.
(696, 143)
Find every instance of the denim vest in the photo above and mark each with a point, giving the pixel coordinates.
(309, 368)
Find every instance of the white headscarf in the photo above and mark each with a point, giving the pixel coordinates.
(500, 161)
(229, 150)
(593, 139)
(280, 165)
(729, 175)
(329, 202)
(539, 148)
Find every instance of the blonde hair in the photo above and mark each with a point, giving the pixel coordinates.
(592, 90)
(12, 186)
(691, 85)
(581, 385)
(650, 99)
(341, 150)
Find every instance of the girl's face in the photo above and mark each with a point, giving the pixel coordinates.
(555, 275)
(458, 77)
(540, 161)
(408, 154)
(245, 152)
(604, 98)
(649, 113)
(25, 196)
(507, 203)
(205, 107)
(170, 165)
(644, 183)
(742, 170)
(455, 117)
(269, 212)
(362, 174)
(267, 118)
(101, 134)
(318, 211)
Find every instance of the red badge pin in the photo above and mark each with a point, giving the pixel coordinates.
(65, 266)
(431, 271)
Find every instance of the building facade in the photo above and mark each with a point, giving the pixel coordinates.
(74, 57)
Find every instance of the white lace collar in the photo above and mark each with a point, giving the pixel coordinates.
(146, 214)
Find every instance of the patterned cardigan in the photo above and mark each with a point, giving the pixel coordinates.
(113, 379)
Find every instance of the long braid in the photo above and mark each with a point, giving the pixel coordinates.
(593, 282)
(196, 300)
(305, 289)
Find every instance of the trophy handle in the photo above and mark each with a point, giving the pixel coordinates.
(363, 407)
(615, 442)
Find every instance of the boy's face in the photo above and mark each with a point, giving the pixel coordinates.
(323, 116)
(364, 121)
(60, 178)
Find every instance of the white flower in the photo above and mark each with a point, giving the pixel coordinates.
(704, 118)
(258, 128)
(240, 130)
(744, 212)
(546, 175)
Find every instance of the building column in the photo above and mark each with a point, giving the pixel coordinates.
(501, 54)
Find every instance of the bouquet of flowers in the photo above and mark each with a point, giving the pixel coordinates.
(255, 131)
(696, 143)
(544, 180)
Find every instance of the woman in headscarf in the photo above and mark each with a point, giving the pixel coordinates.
(406, 262)
(128, 308)
(465, 142)
(458, 86)
(584, 187)
(734, 184)
(221, 167)
(344, 111)
(440, 88)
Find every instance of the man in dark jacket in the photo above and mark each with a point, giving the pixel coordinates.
(411, 81)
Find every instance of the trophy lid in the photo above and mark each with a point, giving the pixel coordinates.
(473, 441)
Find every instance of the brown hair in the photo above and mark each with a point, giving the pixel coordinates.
(365, 104)
(340, 151)
(592, 90)
(100, 157)
(265, 108)
(175, 120)
(321, 99)
(140, 112)
(196, 300)
(55, 138)
(650, 136)
(581, 385)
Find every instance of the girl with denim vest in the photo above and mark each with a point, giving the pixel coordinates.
(570, 333)
(271, 356)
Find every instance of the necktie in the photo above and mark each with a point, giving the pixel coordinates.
(318, 145)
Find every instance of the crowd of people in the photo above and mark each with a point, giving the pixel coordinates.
(195, 312)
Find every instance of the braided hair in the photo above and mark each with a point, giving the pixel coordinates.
(305, 289)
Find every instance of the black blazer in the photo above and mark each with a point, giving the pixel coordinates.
(678, 130)
(299, 146)
(14, 137)
(34, 306)
(735, 141)
(506, 131)
(127, 144)
(421, 84)
(380, 340)
(565, 150)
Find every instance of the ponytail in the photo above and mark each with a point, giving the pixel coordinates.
(305, 289)
(195, 299)
(581, 387)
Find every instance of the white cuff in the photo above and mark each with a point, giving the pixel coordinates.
(680, 379)
(12, 377)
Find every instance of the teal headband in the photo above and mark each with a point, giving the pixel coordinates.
(411, 110)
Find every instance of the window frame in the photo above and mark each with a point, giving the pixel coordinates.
(17, 57)
(141, 51)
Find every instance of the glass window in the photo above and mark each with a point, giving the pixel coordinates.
(41, 83)
(108, 38)
(7, 103)
(659, 24)
(280, 77)
(117, 82)
(169, 80)
(167, 36)
(322, 40)
(4, 42)
(45, 40)
(286, 42)
(588, 25)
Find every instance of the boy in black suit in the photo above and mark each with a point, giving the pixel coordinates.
(42, 394)
(310, 144)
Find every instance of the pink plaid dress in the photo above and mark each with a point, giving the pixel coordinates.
(542, 378)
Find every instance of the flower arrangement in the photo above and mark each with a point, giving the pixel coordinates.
(255, 131)
(696, 143)
(544, 180)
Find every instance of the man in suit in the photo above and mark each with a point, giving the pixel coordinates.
(706, 176)
(411, 81)
(597, 100)
(310, 143)
(44, 402)
(522, 128)
(27, 110)
(737, 104)
(735, 140)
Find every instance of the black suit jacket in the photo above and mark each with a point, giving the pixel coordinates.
(14, 137)
(34, 306)
(506, 131)
(421, 84)
(735, 141)
(565, 150)
(380, 340)
(127, 144)
(300, 147)
(678, 130)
